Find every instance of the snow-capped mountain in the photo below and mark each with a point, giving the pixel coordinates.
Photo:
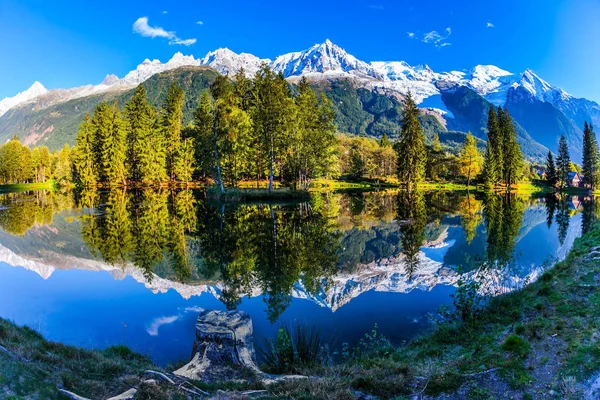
(325, 58)
(35, 90)
(148, 68)
(227, 62)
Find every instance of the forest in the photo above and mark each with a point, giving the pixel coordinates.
(266, 132)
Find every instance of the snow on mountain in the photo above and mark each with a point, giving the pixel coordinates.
(9, 102)
(324, 58)
(148, 68)
(329, 61)
(227, 62)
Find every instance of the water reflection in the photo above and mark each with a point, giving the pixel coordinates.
(278, 250)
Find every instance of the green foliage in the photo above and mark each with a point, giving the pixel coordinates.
(551, 173)
(590, 157)
(411, 146)
(563, 163)
(517, 346)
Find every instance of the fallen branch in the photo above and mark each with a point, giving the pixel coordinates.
(4, 349)
(160, 375)
(72, 395)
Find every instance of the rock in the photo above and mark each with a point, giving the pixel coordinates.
(223, 349)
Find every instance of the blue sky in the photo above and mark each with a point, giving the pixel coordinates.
(71, 43)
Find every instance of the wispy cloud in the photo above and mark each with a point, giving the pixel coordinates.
(152, 329)
(376, 6)
(490, 25)
(411, 35)
(200, 23)
(142, 27)
(437, 39)
(165, 12)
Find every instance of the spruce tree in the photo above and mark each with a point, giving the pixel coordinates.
(185, 163)
(171, 120)
(551, 177)
(411, 146)
(85, 168)
(493, 153)
(203, 135)
(110, 143)
(512, 157)
(590, 157)
(563, 162)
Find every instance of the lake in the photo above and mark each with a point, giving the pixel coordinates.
(100, 268)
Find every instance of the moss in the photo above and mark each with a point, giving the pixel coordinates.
(441, 383)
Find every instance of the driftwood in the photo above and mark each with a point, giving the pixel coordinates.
(72, 395)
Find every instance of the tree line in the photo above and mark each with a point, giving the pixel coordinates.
(557, 171)
(21, 164)
(245, 129)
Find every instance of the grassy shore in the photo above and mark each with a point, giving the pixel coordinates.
(537, 343)
(24, 187)
(249, 194)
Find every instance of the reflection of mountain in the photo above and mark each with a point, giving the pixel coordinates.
(34, 251)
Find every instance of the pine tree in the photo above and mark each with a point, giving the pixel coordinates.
(109, 147)
(470, 160)
(385, 141)
(203, 135)
(83, 158)
(590, 157)
(63, 173)
(185, 163)
(411, 146)
(171, 121)
(512, 157)
(563, 162)
(551, 177)
(493, 152)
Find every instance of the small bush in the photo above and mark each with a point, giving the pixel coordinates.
(3, 332)
(294, 349)
(517, 346)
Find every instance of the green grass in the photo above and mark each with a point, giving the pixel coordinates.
(24, 187)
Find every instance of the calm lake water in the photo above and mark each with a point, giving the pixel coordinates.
(135, 268)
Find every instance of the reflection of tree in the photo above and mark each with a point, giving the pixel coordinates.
(413, 219)
(550, 201)
(470, 209)
(563, 216)
(589, 215)
(267, 246)
(503, 217)
(22, 211)
(147, 228)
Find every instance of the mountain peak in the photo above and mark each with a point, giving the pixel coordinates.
(110, 80)
(35, 90)
(228, 62)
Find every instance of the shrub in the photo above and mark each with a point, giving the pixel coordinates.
(517, 346)
(294, 349)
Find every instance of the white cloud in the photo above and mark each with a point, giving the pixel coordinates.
(411, 35)
(152, 329)
(164, 12)
(142, 27)
(490, 25)
(436, 38)
(200, 23)
(185, 42)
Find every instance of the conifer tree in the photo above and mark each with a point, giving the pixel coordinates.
(185, 163)
(563, 162)
(493, 154)
(110, 146)
(83, 158)
(512, 167)
(171, 121)
(590, 157)
(203, 135)
(63, 173)
(551, 177)
(470, 160)
(411, 146)
(385, 141)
